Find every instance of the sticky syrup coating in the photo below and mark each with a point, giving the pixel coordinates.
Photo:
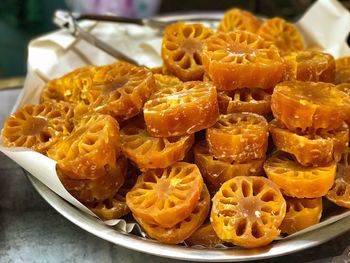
(237, 19)
(342, 73)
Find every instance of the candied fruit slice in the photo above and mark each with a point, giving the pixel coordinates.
(151, 152)
(244, 100)
(97, 189)
(182, 50)
(282, 34)
(164, 81)
(38, 127)
(167, 196)
(182, 230)
(237, 19)
(239, 137)
(311, 149)
(204, 236)
(90, 150)
(296, 180)
(216, 172)
(240, 59)
(111, 208)
(342, 70)
(301, 213)
(307, 106)
(247, 211)
(310, 65)
(68, 87)
(182, 109)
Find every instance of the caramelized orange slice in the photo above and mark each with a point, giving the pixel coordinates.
(247, 211)
(342, 73)
(183, 229)
(38, 126)
(312, 149)
(239, 19)
(296, 180)
(182, 109)
(301, 213)
(310, 65)
(216, 172)
(90, 150)
(245, 100)
(182, 48)
(167, 196)
(240, 59)
(120, 90)
(204, 236)
(308, 106)
(239, 137)
(282, 34)
(97, 189)
(151, 152)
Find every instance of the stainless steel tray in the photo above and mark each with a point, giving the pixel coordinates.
(277, 248)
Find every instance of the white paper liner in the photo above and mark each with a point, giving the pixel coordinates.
(324, 25)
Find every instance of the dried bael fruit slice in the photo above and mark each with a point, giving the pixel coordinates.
(167, 196)
(216, 172)
(111, 208)
(305, 107)
(342, 70)
(182, 48)
(240, 59)
(164, 81)
(244, 100)
(345, 87)
(310, 65)
(69, 87)
(38, 127)
(301, 213)
(282, 34)
(97, 189)
(120, 90)
(237, 19)
(182, 109)
(204, 236)
(239, 137)
(90, 150)
(247, 211)
(318, 149)
(151, 152)
(183, 229)
(296, 180)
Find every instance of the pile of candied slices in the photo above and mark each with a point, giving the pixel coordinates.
(185, 147)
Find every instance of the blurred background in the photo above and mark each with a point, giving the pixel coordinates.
(22, 20)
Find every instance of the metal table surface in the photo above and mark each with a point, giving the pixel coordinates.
(32, 231)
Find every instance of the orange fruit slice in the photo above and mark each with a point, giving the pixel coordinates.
(282, 34)
(247, 211)
(204, 236)
(342, 72)
(181, 109)
(167, 196)
(183, 229)
(182, 48)
(38, 127)
(217, 172)
(239, 137)
(305, 107)
(301, 213)
(237, 19)
(311, 149)
(296, 180)
(240, 59)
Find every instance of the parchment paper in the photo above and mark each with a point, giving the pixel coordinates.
(326, 25)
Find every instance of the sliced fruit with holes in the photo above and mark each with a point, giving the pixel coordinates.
(247, 211)
(237, 19)
(165, 197)
(296, 180)
(204, 236)
(340, 191)
(239, 137)
(342, 70)
(305, 107)
(182, 230)
(164, 81)
(301, 213)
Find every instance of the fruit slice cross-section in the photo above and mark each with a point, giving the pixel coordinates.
(247, 211)
(167, 196)
(204, 236)
(342, 70)
(237, 19)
